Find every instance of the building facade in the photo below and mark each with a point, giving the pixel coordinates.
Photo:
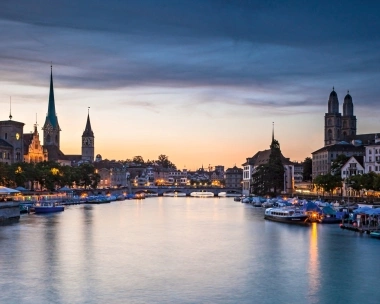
(11, 141)
(372, 157)
(234, 177)
(33, 150)
(323, 157)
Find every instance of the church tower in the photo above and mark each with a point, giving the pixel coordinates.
(348, 118)
(51, 127)
(333, 121)
(88, 145)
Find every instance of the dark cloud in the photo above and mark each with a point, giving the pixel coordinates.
(278, 47)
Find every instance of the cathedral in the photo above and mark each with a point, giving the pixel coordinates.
(340, 135)
(339, 127)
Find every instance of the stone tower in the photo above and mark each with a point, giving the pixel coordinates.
(51, 127)
(348, 118)
(333, 120)
(88, 145)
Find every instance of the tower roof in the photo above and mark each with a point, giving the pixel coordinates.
(348, 97)
(51, 115)
(333, 93)
(88, 130)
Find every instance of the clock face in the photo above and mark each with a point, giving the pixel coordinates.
(17, 136)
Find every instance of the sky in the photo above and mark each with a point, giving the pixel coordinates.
(200, 81)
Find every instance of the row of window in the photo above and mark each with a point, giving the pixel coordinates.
(377, 151)
(377, 168)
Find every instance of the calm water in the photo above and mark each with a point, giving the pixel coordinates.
(182, 250)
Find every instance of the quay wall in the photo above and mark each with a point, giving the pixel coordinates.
(9, 211)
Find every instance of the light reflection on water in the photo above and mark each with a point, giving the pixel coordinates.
(182, 250)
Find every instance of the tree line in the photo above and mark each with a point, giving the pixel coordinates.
(162, 161)
(48, 175)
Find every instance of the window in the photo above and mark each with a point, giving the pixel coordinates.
(370, 168)
(369, 151)
(370, 159)
(6, 136)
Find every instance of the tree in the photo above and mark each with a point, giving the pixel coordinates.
(164, 161)
(328, 182)
(307, 169)
(276, 168)
(269, 178)
(337, 164)
(138, 160)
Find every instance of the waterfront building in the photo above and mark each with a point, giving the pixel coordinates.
(11, 141)
(354, 166)
(234, 177)
(298, 172)
(372, 156)
(112, 174)
(33, 150)
(323, 157)
(262, 158)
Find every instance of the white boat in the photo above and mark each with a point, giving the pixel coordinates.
(174, 194)
(288, 215)
(229, 194)
(202, 194)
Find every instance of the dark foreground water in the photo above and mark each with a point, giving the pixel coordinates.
(182, 250)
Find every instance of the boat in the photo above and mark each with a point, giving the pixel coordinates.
(229, 194)
(287, 215)
(375, 234)
(48, 207)
(174, 194)
(202, 194)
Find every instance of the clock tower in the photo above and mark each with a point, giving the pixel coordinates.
(88, 145)
(51, 127)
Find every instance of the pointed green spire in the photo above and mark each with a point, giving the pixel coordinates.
(51, 108)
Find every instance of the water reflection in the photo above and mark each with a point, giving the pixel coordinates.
(182, 250)
(314, 271)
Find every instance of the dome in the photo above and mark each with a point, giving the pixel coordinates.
(348, 98)
(333, 104)
(98, 158)
(348, 106)
(333, 93)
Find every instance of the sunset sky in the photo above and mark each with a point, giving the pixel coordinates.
(200, 81)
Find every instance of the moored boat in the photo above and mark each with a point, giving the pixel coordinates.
(375, 234)
(48, 207)
(174, 194)
(287, 215)
(202, 194)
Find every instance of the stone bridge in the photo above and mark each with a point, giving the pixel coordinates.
(162, 189)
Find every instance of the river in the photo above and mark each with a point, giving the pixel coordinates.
(182, 250)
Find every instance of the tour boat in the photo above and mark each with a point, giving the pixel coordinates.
(48, 207)
(202, 194)
(287, 215)
(174, 194)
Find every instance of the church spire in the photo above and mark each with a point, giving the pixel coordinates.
(88, 130)
(51, 108)
(272, 132)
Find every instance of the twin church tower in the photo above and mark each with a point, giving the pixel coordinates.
(51, 137)
(339, 127)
